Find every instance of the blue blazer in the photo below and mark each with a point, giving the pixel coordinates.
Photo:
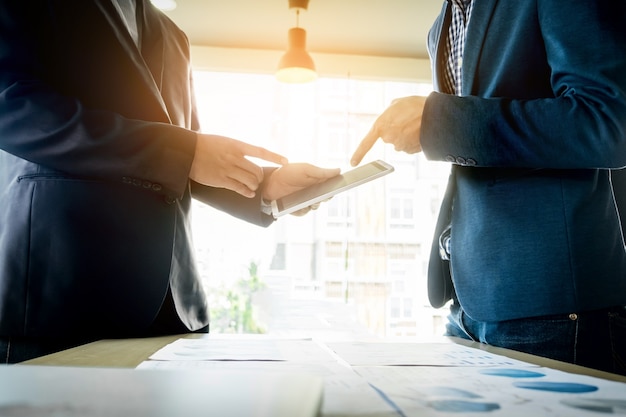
(96, 141)
(533, 139)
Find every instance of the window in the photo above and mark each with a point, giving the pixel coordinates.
(364, 249)
(401, 209)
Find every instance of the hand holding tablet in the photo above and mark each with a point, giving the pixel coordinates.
(324, 190)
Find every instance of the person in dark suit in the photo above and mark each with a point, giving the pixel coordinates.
(530, 109)
(100, 156)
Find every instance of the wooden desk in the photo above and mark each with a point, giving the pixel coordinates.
(129, 353)
(351, 385)
(114, 353)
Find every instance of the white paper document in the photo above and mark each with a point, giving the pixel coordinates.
(242, 349)
(49, 391)
(418, 354)
(494, 392)
(345, 392)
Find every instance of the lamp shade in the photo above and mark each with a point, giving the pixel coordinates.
(296, 65)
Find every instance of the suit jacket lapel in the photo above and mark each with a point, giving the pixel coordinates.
(134, 54)
(152, 44)
(476, 31)
(437, 40)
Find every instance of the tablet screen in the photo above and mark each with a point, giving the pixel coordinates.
(324, 190)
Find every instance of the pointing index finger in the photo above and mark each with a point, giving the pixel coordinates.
(366, 144)
(266, 155)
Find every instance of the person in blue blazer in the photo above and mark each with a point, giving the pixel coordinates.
(528, 244)
(100, 156)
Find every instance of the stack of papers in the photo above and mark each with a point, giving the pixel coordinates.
(406, 379)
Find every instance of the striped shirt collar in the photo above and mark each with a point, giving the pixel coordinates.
(455, 45)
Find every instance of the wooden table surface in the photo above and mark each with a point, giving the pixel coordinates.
(129, 353)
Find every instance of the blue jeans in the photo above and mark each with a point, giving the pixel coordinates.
(595, 339)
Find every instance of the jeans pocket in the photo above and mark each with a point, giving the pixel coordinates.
(617, 329)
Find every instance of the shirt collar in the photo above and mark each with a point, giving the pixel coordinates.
(461, 4)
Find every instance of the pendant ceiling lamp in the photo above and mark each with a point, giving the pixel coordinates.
(296, 65)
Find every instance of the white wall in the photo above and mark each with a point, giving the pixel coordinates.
(327, 65)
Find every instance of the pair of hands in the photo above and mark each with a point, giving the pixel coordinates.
(221, 162)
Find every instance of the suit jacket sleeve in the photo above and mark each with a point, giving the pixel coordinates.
(544, 87)
(248, 209)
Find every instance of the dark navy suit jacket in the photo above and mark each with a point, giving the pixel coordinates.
(96, 141)
(542, 121)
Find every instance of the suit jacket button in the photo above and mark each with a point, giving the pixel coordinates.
(127, 180)
(156, 187)
(460, 160)
(169, 199)
(471, 162)
(450, 158)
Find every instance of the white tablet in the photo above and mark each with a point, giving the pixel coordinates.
(324, 190)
